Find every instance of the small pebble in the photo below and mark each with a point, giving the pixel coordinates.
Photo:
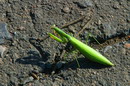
(107, 48)
(21, 28)
(2, 50)
(4, 33)
(99, 22)
(123, 50)
(66, 9)
(127, 45)
(72, 29)
(116, 5)
(15, 33)
(60, 64)
(1, 61)
(108, 30)
(84, 3)
(128, 36)
(27, 80)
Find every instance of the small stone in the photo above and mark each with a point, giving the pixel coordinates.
(1, 61)
(99, 22)
(127, 45)
(72, 29)
(108, 30)
(21, 28)
(116, 5)
(4, 34)
(2, 50)
(66, 9)
(107, 48)
(129, 36)
(60, 64)
(15, 33)
(27, 80)
(84, 3)
(123, 50)
(94, 73)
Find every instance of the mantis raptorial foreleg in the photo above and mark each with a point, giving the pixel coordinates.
(90, 35)
(62, 39)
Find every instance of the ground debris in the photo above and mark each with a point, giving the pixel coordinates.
(2, 50)
(111, 41)
(1, 61)
(84, 3)
(27, 80)
(4, 34)
(66, 9)
(127, 45)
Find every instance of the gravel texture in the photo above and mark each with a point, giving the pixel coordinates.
(31, 62)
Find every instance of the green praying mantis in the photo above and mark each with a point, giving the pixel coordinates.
(86, 50)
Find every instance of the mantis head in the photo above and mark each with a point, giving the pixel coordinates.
(63, 36)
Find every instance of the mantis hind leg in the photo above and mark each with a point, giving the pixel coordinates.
(77, 61)
(90, 35)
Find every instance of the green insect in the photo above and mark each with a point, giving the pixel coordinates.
(87, 51)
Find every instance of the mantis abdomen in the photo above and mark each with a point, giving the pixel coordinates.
(89, 52)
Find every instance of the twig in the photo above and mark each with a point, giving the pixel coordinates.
(84, 27)
(62, 54)
(73, 22)
(65, 25)
(42, 39)
(35, 76)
